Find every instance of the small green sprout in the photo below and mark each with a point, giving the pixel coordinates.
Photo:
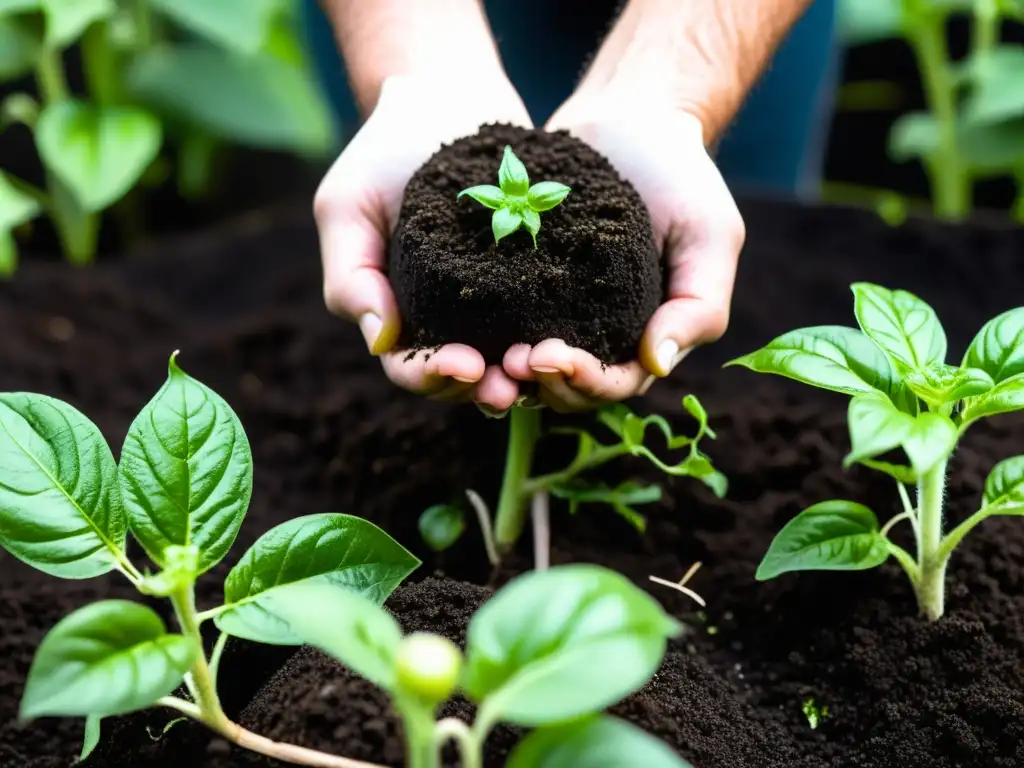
(514, 202)
(814, 713)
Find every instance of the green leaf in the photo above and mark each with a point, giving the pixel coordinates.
(441, 526)
(860, 22)
(91, 739)
(898, 472)
(913, 136)
(531, 222)
(341, 550)
(545, 195)
(239, 25)
(15, 206)
(932, 439)
(256, 101)
(504, 222)
(694, 407)
(997, 94)
(20, 44)
(487, 195)
(942, 384)
(100, 153)
(905, 327)
(512, 176)
(830, 536)
(344, 624)
(67, 20)
(533, 648)
(60, 507)
(876, 427)
(109, 658)
(621, 498)
(992, 148)
(1005, 397)
(594, 742)
(1004, 488)
(186, 471)
(8, 255)
(998, 348)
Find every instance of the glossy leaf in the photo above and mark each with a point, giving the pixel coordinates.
(60, 506)
(622, 498)
(914, 135)
(830, 536)
(594, 742)
(532, 649)
(942, 384)
(239, 25)
(932, 439)
(860, 22)
(997, 94)
(998, 348)
(904, 326)
(67, 20)
(441, 526)
(504, 222)
(512, 176)
(340, 550)
(186, 471)
(109, 658)
(91, 737)
(545, 195)
(15, 206)
(486, 194)
(344, 624)
(1005, 397)
(1004, 488)
(20, 43)
(876, 427)
(531, 223)
(898, 472)
(100, 153)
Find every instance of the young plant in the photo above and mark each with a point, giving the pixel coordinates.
(443, 524)
(514, 202)
(550, 651)
(181, 490)
(904, 396)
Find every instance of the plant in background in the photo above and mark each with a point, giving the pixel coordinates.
(181, 489)
(904, 396)
(514, 202)
(442, 525)
(185, 76)
(550, 651)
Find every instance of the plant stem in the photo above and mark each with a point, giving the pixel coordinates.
(184, 602)
(53, 86)
(143, 24)
(470, 744)
(954, 537)
(931, 586)
(99, 65)
(524, 429)
(540, 514)
(422, 748)
(986, 26)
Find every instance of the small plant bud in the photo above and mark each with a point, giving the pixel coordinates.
(428, 666)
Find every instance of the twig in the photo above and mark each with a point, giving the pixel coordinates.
(680, 586)
(483, 515)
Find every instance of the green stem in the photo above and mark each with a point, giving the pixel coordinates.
(524, 430)
(421, 738)
(931, 585)
(143, 24)
(470, 743)
(986, 26)
(954, 537)
(184, 602)
(99, 64)
(53, 86)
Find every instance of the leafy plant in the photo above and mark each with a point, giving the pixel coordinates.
(530, 660)
(443, 524)
(515, 203)
(181, 490)
(904, 396)
(185, 76)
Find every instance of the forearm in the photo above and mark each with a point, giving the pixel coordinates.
(700, 56)
(382, 38)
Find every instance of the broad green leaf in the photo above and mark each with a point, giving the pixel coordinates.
(905, 327)
(15, 206)
(998, 348)
(487, 195)
(186, 471)
(16, 7)
(239, 25)
(594, 742)
(20, 43)
(830, 536)
(531, 223)
(1005, 397)
(109, 658)
(694, 407)
(876, 427)
(1004, 487)
(545, 195)
(344, 624)
(512, 176)
(913, 136)
(932, 439)
(67, 20)
(257, 101)
(100, 153)
(621, 498)
(868, 21)
(504, 222)
(341, 550)
(531, 651)
(992, 148)
(8, 255)
(997, 93)
(942, 384)
(60, 507)
(441, 526)
(898, 472)
(91, 738)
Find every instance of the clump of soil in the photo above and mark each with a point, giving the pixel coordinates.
(594, 279)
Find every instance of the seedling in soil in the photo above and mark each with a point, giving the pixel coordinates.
(531, 659)
(442, 525)
(814, 713)
(181, 490)
(514, 202)
(904, 396)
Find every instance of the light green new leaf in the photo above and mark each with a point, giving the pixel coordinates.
(504, 222)
(20, 42)
(913, 136)
(67, 20)
(943, 384)
(545, 195)
(531, 223)
(91, 738)
(904, 326)
(868, 21)
(60, 507)
(876, 427)
(512, 176)
(1005, 397)
(1004, 488)
(532, 650)
(109, 658)
(100, 153)
(239, 25)
(594, 742)
(621, 498)
(186, 471)
(997, 95)
(16, 7)
(344, 624)
(15, 206)
(998, 348)
(830, 536)
(932, 438)
(487, 195)
(441, 526)
(341, 550)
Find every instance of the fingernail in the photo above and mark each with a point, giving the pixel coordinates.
(464, 380)
(669, 355)
(491, 413)
(544, 369)
(370, 324)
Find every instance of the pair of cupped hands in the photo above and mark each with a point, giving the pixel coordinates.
(658, 148)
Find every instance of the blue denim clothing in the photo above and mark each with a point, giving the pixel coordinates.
(775, 146)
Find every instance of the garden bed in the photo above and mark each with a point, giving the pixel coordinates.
(330, 434)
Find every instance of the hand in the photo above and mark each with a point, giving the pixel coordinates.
(357, 208)
(697, 226)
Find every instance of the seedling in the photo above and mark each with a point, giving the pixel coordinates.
(904, 396)
(514, 202)
(814, 712)
(442, 525)
(531, 659)
(181, 490)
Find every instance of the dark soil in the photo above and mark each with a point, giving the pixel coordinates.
(330, 434)
(594, 279)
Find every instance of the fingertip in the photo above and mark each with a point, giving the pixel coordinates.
(517, 362)
(497, 389)
(457, 361)
(552, 356)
